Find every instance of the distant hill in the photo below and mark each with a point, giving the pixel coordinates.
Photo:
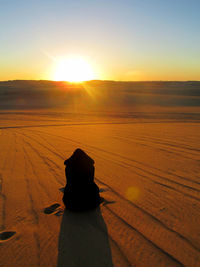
(23, 94)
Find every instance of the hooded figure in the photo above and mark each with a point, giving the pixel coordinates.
(81, 193)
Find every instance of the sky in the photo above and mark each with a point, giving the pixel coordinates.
(127, 40)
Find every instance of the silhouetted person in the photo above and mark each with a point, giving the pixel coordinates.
(80, 193)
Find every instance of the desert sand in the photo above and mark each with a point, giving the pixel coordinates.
(148, 173)
(144, 139)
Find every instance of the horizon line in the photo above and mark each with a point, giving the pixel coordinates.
(98, 80)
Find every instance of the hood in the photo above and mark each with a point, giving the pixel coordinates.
(79, 156)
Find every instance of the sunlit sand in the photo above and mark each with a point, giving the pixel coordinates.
(147, 168)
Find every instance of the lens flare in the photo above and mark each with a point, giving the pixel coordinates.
(132, 193)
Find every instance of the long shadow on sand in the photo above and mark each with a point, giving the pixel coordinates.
(83, 240)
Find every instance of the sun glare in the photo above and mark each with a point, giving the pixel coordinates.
(73, 69)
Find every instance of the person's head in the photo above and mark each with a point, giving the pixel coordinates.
(79, 157)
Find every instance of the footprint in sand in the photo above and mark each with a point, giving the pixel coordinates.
(59, 212)
(51, 209)
(6, 235)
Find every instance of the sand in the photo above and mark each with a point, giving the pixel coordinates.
(148, 173)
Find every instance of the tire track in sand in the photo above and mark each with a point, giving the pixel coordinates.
(146, 216)
(148, 172)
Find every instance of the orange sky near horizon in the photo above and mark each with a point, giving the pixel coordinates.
(45, 70)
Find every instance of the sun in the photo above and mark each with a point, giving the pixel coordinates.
(73, 69)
